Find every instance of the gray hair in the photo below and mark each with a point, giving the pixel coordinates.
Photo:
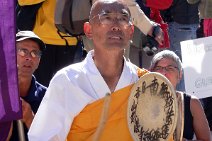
(166, 54)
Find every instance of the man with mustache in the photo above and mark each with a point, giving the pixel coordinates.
(29, 50)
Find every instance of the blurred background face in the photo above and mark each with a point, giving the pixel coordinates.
(28, 57)
(168, 68)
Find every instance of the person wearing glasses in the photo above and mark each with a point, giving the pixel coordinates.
(88, 100)
(169, 64)
(29, 50)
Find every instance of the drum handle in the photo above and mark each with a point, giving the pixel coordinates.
(182, 129)
(180, 99)
(104, 117)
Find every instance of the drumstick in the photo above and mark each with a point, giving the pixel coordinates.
(20, 130)
(104, 117)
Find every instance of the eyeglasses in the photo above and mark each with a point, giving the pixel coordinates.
(110, 18)
(24, 52)
(169, 68)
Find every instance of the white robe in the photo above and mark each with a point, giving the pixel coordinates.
(70, 90)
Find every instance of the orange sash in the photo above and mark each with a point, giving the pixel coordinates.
(116, 128)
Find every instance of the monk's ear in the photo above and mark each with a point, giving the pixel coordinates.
(87, 30)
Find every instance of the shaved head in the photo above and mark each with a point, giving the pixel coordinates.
(108, 6)
(110, 25)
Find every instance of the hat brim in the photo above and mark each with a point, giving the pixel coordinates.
(37, 40)
(152, 108)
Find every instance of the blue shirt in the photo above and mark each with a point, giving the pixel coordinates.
(34, 98)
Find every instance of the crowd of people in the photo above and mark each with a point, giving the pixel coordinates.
(62, 91)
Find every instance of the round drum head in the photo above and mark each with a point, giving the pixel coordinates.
(152, 108)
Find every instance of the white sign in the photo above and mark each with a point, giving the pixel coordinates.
(197, 64)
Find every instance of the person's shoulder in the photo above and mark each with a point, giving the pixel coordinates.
(69, 73)
(187, 95)
(130, 64)
(41, 89)
(191, 97)
(140, 71)
(38, 84)
(71, 69)
(195, 102)
(41, 86)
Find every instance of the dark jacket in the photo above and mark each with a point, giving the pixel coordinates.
(182, 12)
(205, 8)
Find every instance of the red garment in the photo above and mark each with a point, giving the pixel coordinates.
(158, 4)
(156, 17)
(207, 26)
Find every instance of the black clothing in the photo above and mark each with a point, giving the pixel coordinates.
(54, 58)
(188, 132)
(181, 12)
(207, 105)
